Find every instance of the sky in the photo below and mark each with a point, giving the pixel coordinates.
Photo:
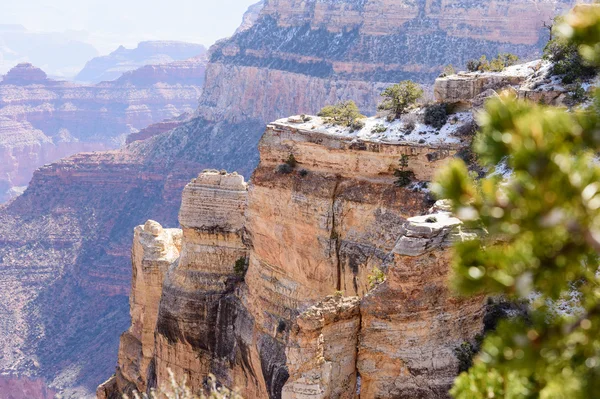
(106, 24)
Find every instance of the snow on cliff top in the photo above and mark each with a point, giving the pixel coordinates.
(378, 129)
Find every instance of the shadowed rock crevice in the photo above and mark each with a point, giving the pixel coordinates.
(273, 364)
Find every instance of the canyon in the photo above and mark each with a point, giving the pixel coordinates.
(322, 280)
(65, 243)
(42, 120)
(304, 321)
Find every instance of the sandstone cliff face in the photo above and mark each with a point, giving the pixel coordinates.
(154, 250)
(281, 332)
(487, 23)
(42, 120)
(193, 321)
(323, 51)
(412, 323)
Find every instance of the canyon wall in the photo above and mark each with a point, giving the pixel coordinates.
(42, 121)
(68, 235)
(309, 53)
(305, 321)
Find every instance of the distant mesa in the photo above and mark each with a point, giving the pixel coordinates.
(24, 74)
(122, 60)
(190, 71)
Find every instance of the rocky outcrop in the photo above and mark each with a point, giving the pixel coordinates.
(194, 306)
(122, 60)
(154, 250)
(305, 321)
(322, 351)
(411, 324)
(213, 257)
(532, 81)
(79, 213)
(42, 120)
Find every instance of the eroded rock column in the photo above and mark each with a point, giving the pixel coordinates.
(195, 331)
(154, 251)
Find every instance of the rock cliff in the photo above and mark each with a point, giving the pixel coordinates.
(42, 120)
(323, 51)
(68, 235)
(154, 250)
(306, 321)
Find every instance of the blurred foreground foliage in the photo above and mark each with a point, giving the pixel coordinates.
(542, 241)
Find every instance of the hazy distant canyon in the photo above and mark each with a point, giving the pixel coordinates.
(43, 120)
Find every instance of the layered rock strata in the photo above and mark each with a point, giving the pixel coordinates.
(411, 324)
(157, 128)
(212, 220)
(306, 320)
(323, 51)
(43, 120)
(195, 313)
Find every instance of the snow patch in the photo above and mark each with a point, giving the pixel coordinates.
(399, 131)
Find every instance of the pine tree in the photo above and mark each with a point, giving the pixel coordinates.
(542, 241)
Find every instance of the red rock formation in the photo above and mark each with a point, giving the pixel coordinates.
(316, 52)
(24, 74)
(280, 332)
(42, 120)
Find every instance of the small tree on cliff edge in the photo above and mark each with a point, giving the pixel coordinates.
(543, 244)
(345, 113)
(399, 97)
